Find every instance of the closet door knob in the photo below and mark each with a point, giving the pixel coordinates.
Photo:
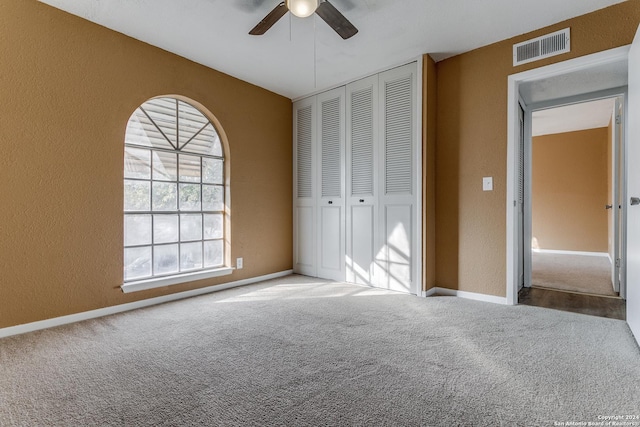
(361, 200)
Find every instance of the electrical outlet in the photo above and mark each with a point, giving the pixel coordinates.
(239, 263)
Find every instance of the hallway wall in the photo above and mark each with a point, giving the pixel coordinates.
(569, 191)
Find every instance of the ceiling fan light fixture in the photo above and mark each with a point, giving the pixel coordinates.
(302, 8)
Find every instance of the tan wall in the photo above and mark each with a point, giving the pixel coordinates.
(472, 143)
(569, 191)
(429, 97)
(68, 88)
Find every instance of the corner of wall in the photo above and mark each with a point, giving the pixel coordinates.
(430, 88)
(429, 93)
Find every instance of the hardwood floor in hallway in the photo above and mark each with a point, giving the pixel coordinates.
(594, 305)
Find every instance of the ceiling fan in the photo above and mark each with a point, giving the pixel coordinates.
(304, 8)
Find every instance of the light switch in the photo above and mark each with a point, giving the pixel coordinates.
(487, 183)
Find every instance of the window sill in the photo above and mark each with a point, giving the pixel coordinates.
(142, 285)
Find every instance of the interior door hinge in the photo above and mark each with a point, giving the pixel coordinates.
(618, 263)
(618, 119)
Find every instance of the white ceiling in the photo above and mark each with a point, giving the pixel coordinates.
(298, 56)
(569, 118)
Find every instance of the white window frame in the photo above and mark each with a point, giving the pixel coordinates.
(151, 282)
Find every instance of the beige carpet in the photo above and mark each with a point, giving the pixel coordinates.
(576, 273)
(307, 352)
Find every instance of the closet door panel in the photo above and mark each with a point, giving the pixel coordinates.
(361, 259)
(331, 184)
(398, 248)
(330, 224)
(305, 259)
(304, 187)
(362, 185)
(398, 201)
(398, 135)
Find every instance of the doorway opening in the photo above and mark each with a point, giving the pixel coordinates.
(575, 204)
(548, 231)
(574, 185)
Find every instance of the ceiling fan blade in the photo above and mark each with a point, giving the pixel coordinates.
(336, 20)
(268, 21)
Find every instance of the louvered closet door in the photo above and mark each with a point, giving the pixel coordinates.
(304, 187)
(331, 184)
(397, 254)
(362, 184)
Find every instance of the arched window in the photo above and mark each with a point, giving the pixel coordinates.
(174, 195)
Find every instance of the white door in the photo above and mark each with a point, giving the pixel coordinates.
(617, 199)
(522, 251)
(331, 184)
(304, 205)
(362, 188)
(614, 204)
(633, 186)
(398, 210)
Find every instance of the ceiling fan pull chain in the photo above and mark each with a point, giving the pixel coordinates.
(315, 55)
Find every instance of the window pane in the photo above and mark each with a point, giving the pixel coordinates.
(165, 259)
(137, 230)
(190, 227)
(212, 171)
(189, 197)
(137, 163)
(206, 142)
(212, 198)
(165, 166)
(189, 168)
(165, 228)
(213, 226)
(137, 263)
(213, 253)
(164, 196)
(190, 121)
(217, 147)
(142, 131)
(163, 113)
(190, 256)
(137, 195)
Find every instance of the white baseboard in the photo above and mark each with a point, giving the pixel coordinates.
(429, 293)
(466, 295)
(554, 251)
(101, 312)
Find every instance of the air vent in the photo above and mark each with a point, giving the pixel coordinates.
(542, 47)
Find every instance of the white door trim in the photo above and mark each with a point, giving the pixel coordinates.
(513, 83)
(418, 269)
(618, 93)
